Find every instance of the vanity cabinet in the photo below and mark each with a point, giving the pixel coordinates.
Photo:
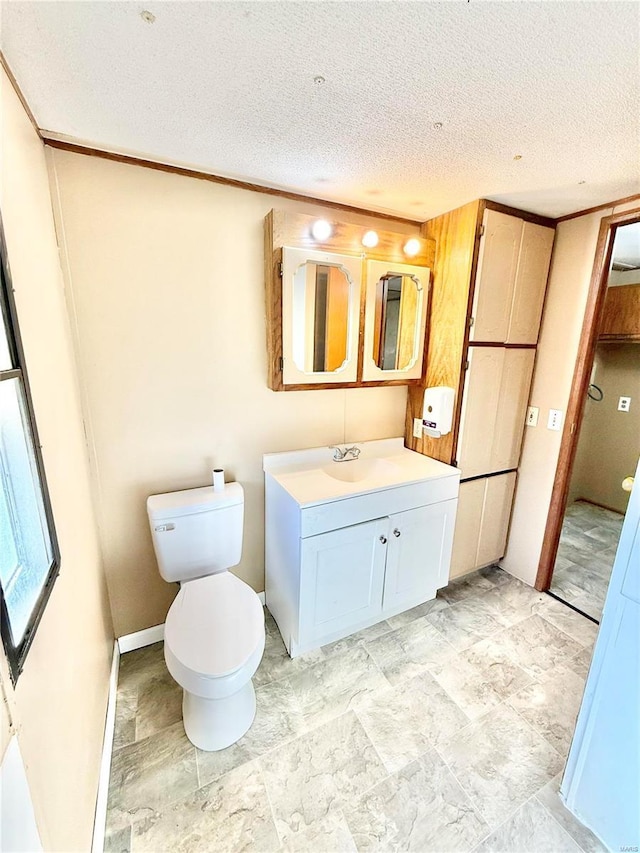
(482, 522)
(489, 284)
(513, 265)
(495, 397)
(340, 564)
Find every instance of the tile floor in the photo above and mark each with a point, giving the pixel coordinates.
(587, 549)
(444, 729)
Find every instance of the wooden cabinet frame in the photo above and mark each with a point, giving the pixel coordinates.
(287, 229)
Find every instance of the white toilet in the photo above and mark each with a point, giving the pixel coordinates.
(214, 632)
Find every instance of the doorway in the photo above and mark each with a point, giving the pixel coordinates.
(601, 442)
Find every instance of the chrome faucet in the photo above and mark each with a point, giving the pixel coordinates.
(346, 455)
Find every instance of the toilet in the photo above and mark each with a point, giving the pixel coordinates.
(214, 632)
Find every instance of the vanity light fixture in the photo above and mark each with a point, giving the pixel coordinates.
(411, 247)
(321, 230)
(370, 239)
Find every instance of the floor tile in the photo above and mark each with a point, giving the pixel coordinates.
(536, 645)
(150, 773)
(404, 721)
(333, 686)
(496, 575)
(124, 730)
(329, 836)
(419, 612)
(159, 705)
(348, 643)
(139, 666)
(232, 813)
(311, 778)
(480, 677)
(550, 798)
(461, 588)
(408, 651)
(530, 828)
(421, 807)
(466, 622)
(581, 662)
(582, 630)
(551, 704)
(510, 603)
(119, 841)
(500, 762)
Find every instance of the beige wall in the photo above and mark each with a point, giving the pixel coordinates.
(58, 707)
(609, 443)
(569, 279)
(166, 286)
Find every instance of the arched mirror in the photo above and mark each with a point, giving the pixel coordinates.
(320, 314)
(395, 320)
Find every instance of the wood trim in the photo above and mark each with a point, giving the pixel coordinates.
(457, 238)
(503, 346)
(588, 210)
(135, 160)
(18, 91)
(578, 396)
(536, 218)
(292, 229)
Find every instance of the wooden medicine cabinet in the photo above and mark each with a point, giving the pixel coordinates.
(339, 314)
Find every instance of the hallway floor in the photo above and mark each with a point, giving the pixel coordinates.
(444, 729)
(587, 549)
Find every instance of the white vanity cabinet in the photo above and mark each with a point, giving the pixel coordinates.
(362, 551)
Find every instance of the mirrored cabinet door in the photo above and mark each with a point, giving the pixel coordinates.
(320, 316)
(395, 321)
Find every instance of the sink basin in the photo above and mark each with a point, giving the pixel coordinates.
(355, 470)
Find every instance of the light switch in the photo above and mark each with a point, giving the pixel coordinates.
(417, 427)
(624, 404)
(555, 419)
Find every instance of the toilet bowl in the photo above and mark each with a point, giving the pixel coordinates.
(214, 631)
(213, 644)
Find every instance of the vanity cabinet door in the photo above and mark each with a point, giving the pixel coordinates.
(342, 576)
(497, 265)
(530, 284)
(419, 554)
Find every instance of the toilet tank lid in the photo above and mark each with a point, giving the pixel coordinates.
(191, 501)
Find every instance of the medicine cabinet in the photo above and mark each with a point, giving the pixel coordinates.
(340, 314)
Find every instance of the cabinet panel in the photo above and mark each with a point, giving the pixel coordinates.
(479, 409)
(517, 370)
(497, 264)
(342, 578)
(418, 554)
(496, 512)
(621, 318)
(530, 284)
(467, 529)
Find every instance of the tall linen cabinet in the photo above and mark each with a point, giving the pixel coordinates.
(489, 283)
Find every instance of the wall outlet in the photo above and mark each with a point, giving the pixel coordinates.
(417, 427)
(555, 419)
(532, 416)
(624, 404)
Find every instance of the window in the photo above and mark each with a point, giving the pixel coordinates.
(29, 557)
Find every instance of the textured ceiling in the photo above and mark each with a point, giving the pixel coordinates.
(229, 87)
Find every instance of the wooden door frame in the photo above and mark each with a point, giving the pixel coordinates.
(578, 396)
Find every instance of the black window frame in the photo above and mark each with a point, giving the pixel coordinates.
(16, 654)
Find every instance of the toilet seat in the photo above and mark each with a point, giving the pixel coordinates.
(214, 635)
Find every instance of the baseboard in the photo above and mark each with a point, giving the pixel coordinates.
(262, 598)
(140, 639)
(100, 820)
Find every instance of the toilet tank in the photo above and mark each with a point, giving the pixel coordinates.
(197, 532)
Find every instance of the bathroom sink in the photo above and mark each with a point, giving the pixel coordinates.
(355, 470)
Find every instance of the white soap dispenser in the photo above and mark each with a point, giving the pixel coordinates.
(437, 411)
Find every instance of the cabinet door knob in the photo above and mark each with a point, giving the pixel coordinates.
(383, 539)
(396, 533)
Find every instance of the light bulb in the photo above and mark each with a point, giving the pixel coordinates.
(412, 247)
(370, 239)
(321, 230)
